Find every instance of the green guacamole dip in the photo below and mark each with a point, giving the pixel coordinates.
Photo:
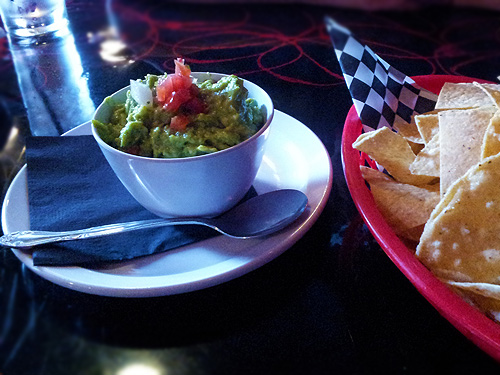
(229, 117)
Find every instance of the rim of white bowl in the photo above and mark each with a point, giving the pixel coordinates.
(186, 158)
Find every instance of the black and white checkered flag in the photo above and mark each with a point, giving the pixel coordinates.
(381, 94)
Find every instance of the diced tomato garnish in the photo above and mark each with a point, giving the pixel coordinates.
(134, 150)
(177, 92)
(195, 105)
(164, 89)
(177, 99)
(169, 85)
(181, 82)
(194, 90)
(181, 69)
(176, 89)
(179, 123)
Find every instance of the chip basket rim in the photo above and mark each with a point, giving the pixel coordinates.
(474, 324)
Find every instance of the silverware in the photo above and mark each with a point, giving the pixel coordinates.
(258, 216)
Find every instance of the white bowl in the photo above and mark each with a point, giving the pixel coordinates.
(205, 185)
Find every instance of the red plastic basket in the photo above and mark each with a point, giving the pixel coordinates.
(475, 325)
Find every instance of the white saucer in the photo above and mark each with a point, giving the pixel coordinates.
(295, 158)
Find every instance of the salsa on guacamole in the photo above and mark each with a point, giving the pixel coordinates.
(171, 116)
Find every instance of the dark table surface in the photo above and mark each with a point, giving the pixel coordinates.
(333, 302)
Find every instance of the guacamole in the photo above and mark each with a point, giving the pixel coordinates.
(182, 118)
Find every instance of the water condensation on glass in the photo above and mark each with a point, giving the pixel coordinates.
(54, 86)
(25, 19)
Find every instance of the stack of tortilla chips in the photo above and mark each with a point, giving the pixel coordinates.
(442, 190)
(444, 187)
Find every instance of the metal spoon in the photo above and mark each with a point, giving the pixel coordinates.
(258, 216)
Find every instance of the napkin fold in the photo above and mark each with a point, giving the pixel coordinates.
(71, 186)
(381, 94)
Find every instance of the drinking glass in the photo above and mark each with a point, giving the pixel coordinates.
(33, 21)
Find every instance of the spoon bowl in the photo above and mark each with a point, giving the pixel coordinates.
(258, 216)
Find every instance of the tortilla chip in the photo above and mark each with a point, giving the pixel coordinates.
(462, 95)
(484, 289)
(484, 296)
(427, 161)
(416, 147)
(405, 207)
(409, 131)
(427, 125)
(392, 151)
(412, 234)
(461, 240)
(461, 135)
(371, 175)
(491, 141)
(492, 90)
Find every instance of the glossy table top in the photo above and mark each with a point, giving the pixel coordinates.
(332, 303)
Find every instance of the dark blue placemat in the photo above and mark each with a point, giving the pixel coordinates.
(71, 186)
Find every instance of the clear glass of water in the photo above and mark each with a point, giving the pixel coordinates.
(33, 21)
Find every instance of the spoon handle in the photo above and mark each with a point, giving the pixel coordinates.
(27, 239)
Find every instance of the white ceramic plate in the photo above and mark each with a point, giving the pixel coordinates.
(295, 158)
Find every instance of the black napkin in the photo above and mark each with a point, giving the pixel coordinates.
(71, 186)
